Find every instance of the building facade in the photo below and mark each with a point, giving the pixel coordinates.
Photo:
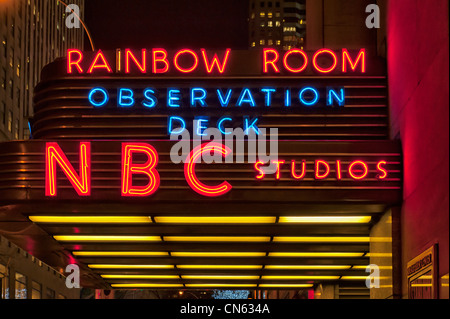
(310, 230)
(32, 34)
(279, 24)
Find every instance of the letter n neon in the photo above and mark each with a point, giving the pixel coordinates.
(81, 182)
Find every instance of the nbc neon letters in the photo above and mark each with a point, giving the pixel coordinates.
(81, 181)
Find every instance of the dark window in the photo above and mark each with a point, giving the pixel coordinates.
(2, 112)
(5, 48)
(294, 10)
(11, 89)
(50, 293)
(262, 4)
(4, 78)
(9, 121)
(16, 129)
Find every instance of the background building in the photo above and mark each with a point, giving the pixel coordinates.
(277, 23)
(33, 33)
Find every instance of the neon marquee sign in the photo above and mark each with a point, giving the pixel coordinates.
(158, 61)
(185, 61)
(55, 157)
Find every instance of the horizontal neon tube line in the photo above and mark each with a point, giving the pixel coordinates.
(219, 238)
(140, 276)
(378, 255)
(217, 254)
(227, 277)
(219, 266)
(325, 219)
(285, 285)
(317, 239)
(139, 285)
(91, 219)
(300, 277)
(125, 266)
(120, 253)
(105, 238)
(361, 277)
(220, 285)
(313, 267)
(216, 219)
(315, 254)
(364, 267)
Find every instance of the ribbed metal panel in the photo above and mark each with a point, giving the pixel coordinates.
(63, 111)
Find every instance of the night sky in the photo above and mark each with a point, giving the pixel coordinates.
(170, 24)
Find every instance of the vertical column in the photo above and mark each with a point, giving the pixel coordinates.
(315, 24)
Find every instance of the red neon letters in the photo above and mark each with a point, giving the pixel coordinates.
(215, 61)
(191, 177)
(159, 56)
(320, 165)
(142, 66)
(361, 57)
(140, 160)
(148, 169)
(271, 59)
(356, 174)
(103, 65)
(81, 182)
(356, 170)
(294, 174)
(187, 61)
(72, 61)
(184, 61)
(291, 69)
(181, 69)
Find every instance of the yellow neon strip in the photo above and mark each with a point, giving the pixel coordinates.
(91, 219)
(217, 254)
(324, 267)
(378, 255)
(145, 285)
(219, 285)
(216, 219)
(124, 266)
(105, 238)
(300, 277)
(219, 277)
(381, 239)
(285, 285)
(421, 285)
(361, 277)
(364, 267)
(121, 253)
(218, 238)
(219, 266)
(307, 254)
(324, 219)
(140, 276)
(322, 239)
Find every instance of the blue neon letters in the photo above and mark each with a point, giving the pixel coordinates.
(197, 96)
